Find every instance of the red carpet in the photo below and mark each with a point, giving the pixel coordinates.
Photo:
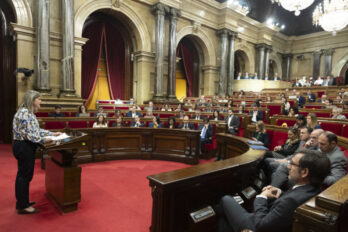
(115, 197)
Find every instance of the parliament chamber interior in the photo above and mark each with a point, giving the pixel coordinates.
(179, 115)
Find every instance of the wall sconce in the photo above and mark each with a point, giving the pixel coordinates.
(27, 72)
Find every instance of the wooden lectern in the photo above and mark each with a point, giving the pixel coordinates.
(63, 176)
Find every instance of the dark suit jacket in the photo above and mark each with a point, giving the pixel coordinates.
(235, 123)
(133, 124)
(278, 216)
(191, 126)
(129, 114)
(209, 133)
(259, 116)
(57, 115)
(301, 102)
(311, 98)
(263, 137)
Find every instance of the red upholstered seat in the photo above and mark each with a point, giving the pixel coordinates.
(292, 103)
(274, 110)
(111, 122)
(289, 122)
(323, 115)
(78, 124)
(278, 138)
(304, 113)
(73, 114)
(111, 115)
(147, 123)
(41, 114)
(55, 125)
(122, 107)
(108, 107)
(333, 127)
(166, 115)
(345, 131)
(67, 114)
(210, 147)
(321, 93)
(104, 102)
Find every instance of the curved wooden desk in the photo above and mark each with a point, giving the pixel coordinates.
(140, 143)
(258, 85)
(178, 193)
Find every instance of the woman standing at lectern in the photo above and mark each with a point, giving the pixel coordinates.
(27, 134)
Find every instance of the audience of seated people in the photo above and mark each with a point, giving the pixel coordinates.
(57, 112)
(274, 209)
(260, 133)
(101, 122)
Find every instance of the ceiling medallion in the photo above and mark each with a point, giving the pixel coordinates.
(331, 15)
(294, 5)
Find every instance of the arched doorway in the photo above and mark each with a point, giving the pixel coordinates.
(187, 68)
(8, 92)
(106, 59)
(241, 62)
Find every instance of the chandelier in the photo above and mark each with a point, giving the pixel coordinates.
(294, 5)
(332, 15)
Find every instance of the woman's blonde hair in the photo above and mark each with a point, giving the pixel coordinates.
(28, 100)
(313, 117)
(261, 125)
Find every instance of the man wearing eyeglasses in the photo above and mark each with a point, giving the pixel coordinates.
(274, 209)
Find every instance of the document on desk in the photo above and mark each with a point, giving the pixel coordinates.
(57, 138)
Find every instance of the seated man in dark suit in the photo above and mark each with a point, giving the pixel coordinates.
(133, 112)
(136, 122)
(327, 142)
(273, 209)
(186, 124)
(233, 123)
(301, 101)
(311, 96)
(207, 131)
(57, 112)
(256, 114)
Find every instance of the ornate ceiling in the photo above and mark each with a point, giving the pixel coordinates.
(261, 10)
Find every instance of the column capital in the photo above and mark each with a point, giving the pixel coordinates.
(233, 35)
(160, 9)
(315, 53)
(287, 55)
(329, 52)
(223, 32)
(261, 46)
(174, 13)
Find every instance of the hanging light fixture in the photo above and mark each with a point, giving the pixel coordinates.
(331, 15)
(294, 5)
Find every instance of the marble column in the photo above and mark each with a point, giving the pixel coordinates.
(159, 10)
(328, 61)
(230, 75)
(223, 34)
(316, 64)
(67, 87)
(43, 82)
(174, 14)
(261, 59)
(287, 65)
(268, 50)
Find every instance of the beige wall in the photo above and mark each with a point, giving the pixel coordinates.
(200, 19)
